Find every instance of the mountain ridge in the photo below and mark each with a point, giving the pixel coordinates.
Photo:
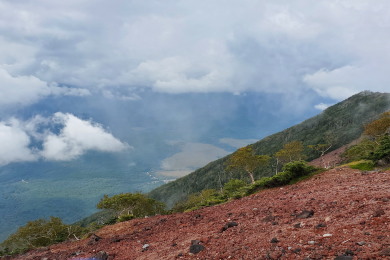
(342, 122)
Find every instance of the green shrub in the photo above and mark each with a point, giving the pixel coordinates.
(363, 165)
(383, 149)
(298, 169)
(234, 188)
(136, 204)
(125, 217)
(291, 171)
(39, 233)
(198, 200)
(362, 150)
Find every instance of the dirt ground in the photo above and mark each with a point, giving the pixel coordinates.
(339, 214)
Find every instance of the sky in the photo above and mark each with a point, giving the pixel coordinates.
(303, 54)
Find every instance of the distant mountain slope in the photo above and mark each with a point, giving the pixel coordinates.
(342, 123)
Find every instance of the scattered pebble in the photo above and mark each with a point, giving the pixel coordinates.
(311, 242)
(196, 247)
(305, 214)
(326, 235)
(229, 225)
(361, 243)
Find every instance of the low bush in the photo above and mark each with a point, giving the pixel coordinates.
(363, 165)
(291, 172)
(234, 189)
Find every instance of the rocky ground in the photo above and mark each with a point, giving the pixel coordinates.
(338, 214)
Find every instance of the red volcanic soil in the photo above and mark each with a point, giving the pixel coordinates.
(338, 214)
(332, 158)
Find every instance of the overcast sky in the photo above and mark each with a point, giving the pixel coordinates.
(116, 49)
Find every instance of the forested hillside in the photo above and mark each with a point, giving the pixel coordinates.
(336, 126)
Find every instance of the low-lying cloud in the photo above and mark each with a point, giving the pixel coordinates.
(61, 137)
(191, 157)
(76, 138)
(14, 145)
(25, 90)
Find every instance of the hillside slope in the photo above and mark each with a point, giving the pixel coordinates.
(342, 123)
(341, 212)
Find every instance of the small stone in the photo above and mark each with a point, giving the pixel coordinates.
(229, 225)
(100, 256)
(343, 257)
(298, 225)
(274, 240)
(361, 243)
(378, 213)
(349, 252)
(326, 235)
(145, 247)
(93, 239)
(305, 214)
(269, 218)
(289, 248)
(194, 249)
(297, 250)
(311, 242)
(385, 252)
(327, 219)
(321, 225)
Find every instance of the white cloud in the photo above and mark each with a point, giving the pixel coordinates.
(322, 106)
(237, 143)
(343, 82)
(21, 90)
(76, 138)
(14, 145)
(191, 157)
(273, 47)
(26, 90)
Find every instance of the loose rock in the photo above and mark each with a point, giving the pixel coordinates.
(196, 247)
(229, 225)
(378, 213)
(145, 247)
(93, 239)
(305, 214)
(100, 256)
(385, 252)
(344, 257)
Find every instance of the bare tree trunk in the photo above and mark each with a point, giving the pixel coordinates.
(252, 178)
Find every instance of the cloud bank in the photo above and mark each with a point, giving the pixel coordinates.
(328, 47)
(62, 137)
(191, 157)
(76, 138)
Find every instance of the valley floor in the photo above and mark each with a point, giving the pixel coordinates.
(338, 214)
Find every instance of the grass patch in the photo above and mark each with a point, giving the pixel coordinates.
(363, 165)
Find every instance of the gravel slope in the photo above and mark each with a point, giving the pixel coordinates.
(338, 214)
